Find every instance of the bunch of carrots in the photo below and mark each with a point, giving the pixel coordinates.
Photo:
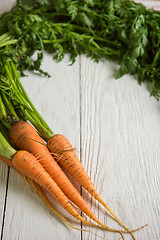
(27, 143)
(29, 146)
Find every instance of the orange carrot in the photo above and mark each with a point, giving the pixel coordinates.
(30, 161)
(27, 164)
(38, 190)
(35, 175)
(24, 136)
(65, 155)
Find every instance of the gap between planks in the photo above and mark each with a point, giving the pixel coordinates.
(5, 204)
(80, 126)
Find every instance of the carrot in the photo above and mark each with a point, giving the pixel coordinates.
(24, 136)
(27, 165)
(38, 190)
(65, 155)
(29, 168)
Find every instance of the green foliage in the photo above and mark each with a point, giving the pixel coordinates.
(119, 30)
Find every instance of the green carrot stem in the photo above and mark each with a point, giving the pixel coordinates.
(6, 43)
(5, 132)
(9, 106)
(4, 36)
(16, 90)
(6, 39)
(28, 99)
(25, 99)
(76, 27)
(55, 40)
(43, 131)
(3, 113)
(5, 149)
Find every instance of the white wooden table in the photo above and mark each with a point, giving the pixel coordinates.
(115, 125)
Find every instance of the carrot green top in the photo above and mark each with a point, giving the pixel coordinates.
(15, 103)
(122, 30)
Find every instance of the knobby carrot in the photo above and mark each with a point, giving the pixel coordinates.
(24, 136)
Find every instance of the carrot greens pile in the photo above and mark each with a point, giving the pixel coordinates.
(119, 30)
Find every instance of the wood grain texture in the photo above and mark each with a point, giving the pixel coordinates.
(121, 147)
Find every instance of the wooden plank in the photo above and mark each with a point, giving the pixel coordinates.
(150, 4)
(6, 5)
(121, 148)
(26, 218)
(3, 184)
